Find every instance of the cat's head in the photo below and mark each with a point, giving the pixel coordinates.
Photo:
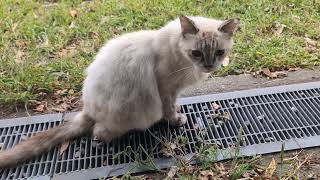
(206, 42)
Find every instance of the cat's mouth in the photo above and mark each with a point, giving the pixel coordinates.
(208, 68)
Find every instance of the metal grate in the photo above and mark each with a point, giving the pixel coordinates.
(268, 118)
(14, 131)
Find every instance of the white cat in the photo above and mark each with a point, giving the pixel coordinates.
(135, 80)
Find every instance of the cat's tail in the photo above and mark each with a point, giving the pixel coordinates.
(44, 141)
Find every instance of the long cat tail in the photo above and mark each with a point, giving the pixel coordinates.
(46, 140)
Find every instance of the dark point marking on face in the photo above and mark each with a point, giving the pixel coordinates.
(206, 51)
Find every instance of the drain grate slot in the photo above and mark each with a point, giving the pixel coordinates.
(14, 131)
(267, 118)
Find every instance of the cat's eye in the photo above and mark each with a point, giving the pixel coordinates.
(219, 52)
(196, 53)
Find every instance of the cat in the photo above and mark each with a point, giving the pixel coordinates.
(134, 82)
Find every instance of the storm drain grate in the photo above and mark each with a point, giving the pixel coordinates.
(267, 118)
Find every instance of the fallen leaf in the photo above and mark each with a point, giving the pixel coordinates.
(226, 116)
(173, 146)
(73, 13)
(206, 175)
(20, 56)
(58, 109)
(267, 72)
(40, 108)
(294, 69)
(277, 74)
(310, 41)
(187, 169)
(172, 172)
(270, 169)
(278, 28)
(219, 166)
(72, 25)
(14, 26)
(310, 45)
(216, 106)
(246, 175)
(167, 152)
(21, 43)
(279, 31)
(105, 163)
(64, 147)
(296, 18)
(226, 61)
(280, 74)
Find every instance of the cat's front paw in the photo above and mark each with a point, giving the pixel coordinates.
(179, 120)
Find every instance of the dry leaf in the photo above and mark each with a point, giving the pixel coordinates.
(246, 175)
(279, 31)
(72, 25)
(215, 106)
(296, 18)
(310, 45)
(310, 41)
(172, 172)
(14, 26)
(73, 13)
(280, 74)
(267, 72)
(220, 167)
(40, 108)
(167, 152)
(187, 169)
(226, 61)
(270, 169)
(105, 163)
(206, 175)
(21, 43)
(58, 109)
(278, 28)
(64, 147)
(294, 69)
(20, 56)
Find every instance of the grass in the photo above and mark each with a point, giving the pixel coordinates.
(45, 46)
(207, 165)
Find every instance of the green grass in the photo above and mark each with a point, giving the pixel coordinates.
(39, 52)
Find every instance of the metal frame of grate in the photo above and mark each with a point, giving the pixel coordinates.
(268, 117)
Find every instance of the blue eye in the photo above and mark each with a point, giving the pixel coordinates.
(196, 53)
(219, 52)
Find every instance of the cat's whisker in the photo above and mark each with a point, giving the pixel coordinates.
(185, 68)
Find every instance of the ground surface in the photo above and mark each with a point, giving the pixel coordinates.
(46, 45)
(310, 169)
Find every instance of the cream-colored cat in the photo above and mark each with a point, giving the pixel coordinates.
(135, 80)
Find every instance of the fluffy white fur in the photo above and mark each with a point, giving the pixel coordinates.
(135, 79)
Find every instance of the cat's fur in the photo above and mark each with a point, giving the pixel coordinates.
(135, 80)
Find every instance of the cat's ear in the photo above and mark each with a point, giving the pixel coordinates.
(229, 26)
(187, 26)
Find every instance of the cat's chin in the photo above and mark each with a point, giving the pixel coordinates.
(208, 70)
